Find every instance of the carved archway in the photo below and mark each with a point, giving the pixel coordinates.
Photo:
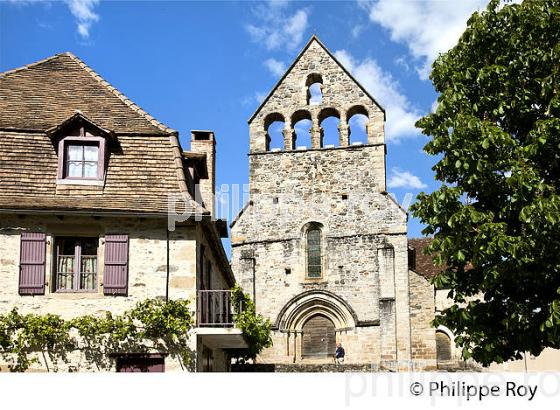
(307, 304)
(311, 316)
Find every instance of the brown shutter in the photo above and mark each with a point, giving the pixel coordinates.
(32, 263)
(115, 274)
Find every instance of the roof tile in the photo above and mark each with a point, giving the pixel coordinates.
(39, 96)
(423, 264)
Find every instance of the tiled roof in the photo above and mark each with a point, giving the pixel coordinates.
(145, 162)
(41, 95)
(423, 263)
(139, 177)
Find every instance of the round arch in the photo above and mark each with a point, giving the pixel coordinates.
(450, 338)
(356, 109)
(272, 117)
(300, 115)
(328, 112)
(313, 78)
(268, 121)
(304, 306)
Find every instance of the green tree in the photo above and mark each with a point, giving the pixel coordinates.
(255, 328)
(495, 218)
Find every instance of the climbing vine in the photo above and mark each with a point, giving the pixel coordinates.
(255, 328)
(152, 325)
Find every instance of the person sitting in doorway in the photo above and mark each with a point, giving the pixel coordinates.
(339, 354)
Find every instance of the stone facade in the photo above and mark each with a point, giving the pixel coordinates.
(363, 286)
(147, 270)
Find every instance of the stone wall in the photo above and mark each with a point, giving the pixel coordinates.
(422, 309)
(147, 263)
(147, 267)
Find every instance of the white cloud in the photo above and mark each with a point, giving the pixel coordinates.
(356, 31)
(83, 12)
(401, 116)
(434, 106)
(402, 62)
(277, 68)
(426, 27)
(404, 179)
(277, 27)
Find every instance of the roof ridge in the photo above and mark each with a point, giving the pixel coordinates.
(314, 38)
(133, 106)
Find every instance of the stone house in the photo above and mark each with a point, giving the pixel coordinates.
(87, 179)
(321, 245)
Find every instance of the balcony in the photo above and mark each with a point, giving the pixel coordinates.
(214, 318)
(214, 308)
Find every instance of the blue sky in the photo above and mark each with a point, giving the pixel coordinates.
(206, 65)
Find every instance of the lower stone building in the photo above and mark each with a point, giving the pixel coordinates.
(99, 209)
(428, 301)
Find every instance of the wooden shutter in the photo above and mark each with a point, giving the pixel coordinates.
(115, 274)
(32, 263)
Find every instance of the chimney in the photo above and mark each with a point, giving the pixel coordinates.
(203, 142)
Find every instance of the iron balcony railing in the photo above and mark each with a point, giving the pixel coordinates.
(214, 308)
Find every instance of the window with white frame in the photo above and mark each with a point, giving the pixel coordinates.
(82, 160)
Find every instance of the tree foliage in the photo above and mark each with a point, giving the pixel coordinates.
(255, 328)
(496, 217)
(152, 325)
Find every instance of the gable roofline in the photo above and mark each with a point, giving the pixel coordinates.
(133, 106)
(30, 65)
(392, 199)
(290, 68)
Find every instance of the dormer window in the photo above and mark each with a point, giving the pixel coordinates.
(81, 160)
(81, 151)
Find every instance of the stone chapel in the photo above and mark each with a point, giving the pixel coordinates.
(321, 245)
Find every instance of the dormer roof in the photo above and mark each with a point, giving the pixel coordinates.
(76, 120)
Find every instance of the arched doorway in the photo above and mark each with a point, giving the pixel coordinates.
(319, 337)
(443, 347)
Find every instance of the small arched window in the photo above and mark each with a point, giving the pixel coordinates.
(301, 124)
(314, 254)
(443, 346)
(329, 120)
(273, 126)
(357, 118)
(314, 84)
